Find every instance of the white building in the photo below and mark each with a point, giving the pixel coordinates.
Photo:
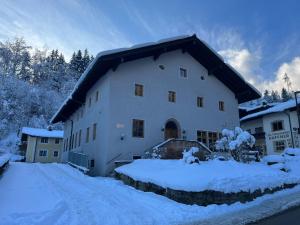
(274, 128)
(129, 100)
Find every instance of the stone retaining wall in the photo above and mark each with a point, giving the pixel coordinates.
(202, 198)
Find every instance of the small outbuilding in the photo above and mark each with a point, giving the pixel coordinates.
(41, 145)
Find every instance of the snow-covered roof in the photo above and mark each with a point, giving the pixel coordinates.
(107, 60)
(38, 132)
(280, 107)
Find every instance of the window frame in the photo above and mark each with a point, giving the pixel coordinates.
(44, 138)
(172, 96)
(54, 154)
(183, 73)
(139, 90)
(282, 146)
(87, 136)
(199, 102)
(200, 136)
(138, 128)
(94, 131)
(55, 141)
(43, 151)
(221, 106)
(277, 122)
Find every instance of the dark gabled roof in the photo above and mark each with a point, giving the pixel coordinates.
(191, 44)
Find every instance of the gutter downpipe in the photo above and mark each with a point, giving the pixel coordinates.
(291, 131)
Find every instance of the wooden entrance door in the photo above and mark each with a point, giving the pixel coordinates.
(171, 130)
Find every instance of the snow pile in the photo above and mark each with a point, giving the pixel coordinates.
(292, 151)
(225, 176)
(273, 159)
(4, 159)
(188, 155)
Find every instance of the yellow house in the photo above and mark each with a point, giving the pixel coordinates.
(41, 145)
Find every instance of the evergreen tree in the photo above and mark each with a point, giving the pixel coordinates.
(275, 96)
(285, 96)
(267, 97)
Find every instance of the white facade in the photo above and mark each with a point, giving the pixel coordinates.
(275, 140)
(117, 106)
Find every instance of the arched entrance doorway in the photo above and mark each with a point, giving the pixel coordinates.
(172, 129)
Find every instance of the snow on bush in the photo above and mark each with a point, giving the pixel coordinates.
(188, 155)
(273, 159)
(237, 142)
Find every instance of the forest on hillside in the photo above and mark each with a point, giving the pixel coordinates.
(34, 83)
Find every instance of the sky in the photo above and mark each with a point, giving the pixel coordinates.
(261, 39)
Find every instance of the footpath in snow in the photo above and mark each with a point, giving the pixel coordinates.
(58, 194)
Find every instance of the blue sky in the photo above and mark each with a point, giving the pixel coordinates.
(261, 39)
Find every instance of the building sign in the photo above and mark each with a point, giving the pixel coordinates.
(286, 135)
(281, 135)
(120, 125)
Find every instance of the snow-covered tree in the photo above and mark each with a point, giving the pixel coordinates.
(237, 142)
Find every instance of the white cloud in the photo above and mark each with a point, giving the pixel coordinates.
(292, 69)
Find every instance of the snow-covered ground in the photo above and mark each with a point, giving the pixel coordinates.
(58, 194)
(225, 176)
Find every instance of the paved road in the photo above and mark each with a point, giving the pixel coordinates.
(288, 217)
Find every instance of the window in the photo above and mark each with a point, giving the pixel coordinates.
(139, 90)
(75, 139)
(277, 125)
(172, 96)
(67, 144)
(279, 146)
(97, 96)
(212, 138)
(221, 106)
(94, 131)
(183, 73)
(43, 153)
(44, 140)
(87, 135)
(55, 153)
(79, 138)
(92, 163)
(259, 130)
(138, 128)
(90, 101)
(57, 141)
(72, 141)
(199, 102)
(134, 157)
(202, 136)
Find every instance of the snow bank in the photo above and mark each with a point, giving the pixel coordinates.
(225, 176)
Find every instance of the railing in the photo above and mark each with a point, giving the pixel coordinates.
(79, 159)
(173, 148)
